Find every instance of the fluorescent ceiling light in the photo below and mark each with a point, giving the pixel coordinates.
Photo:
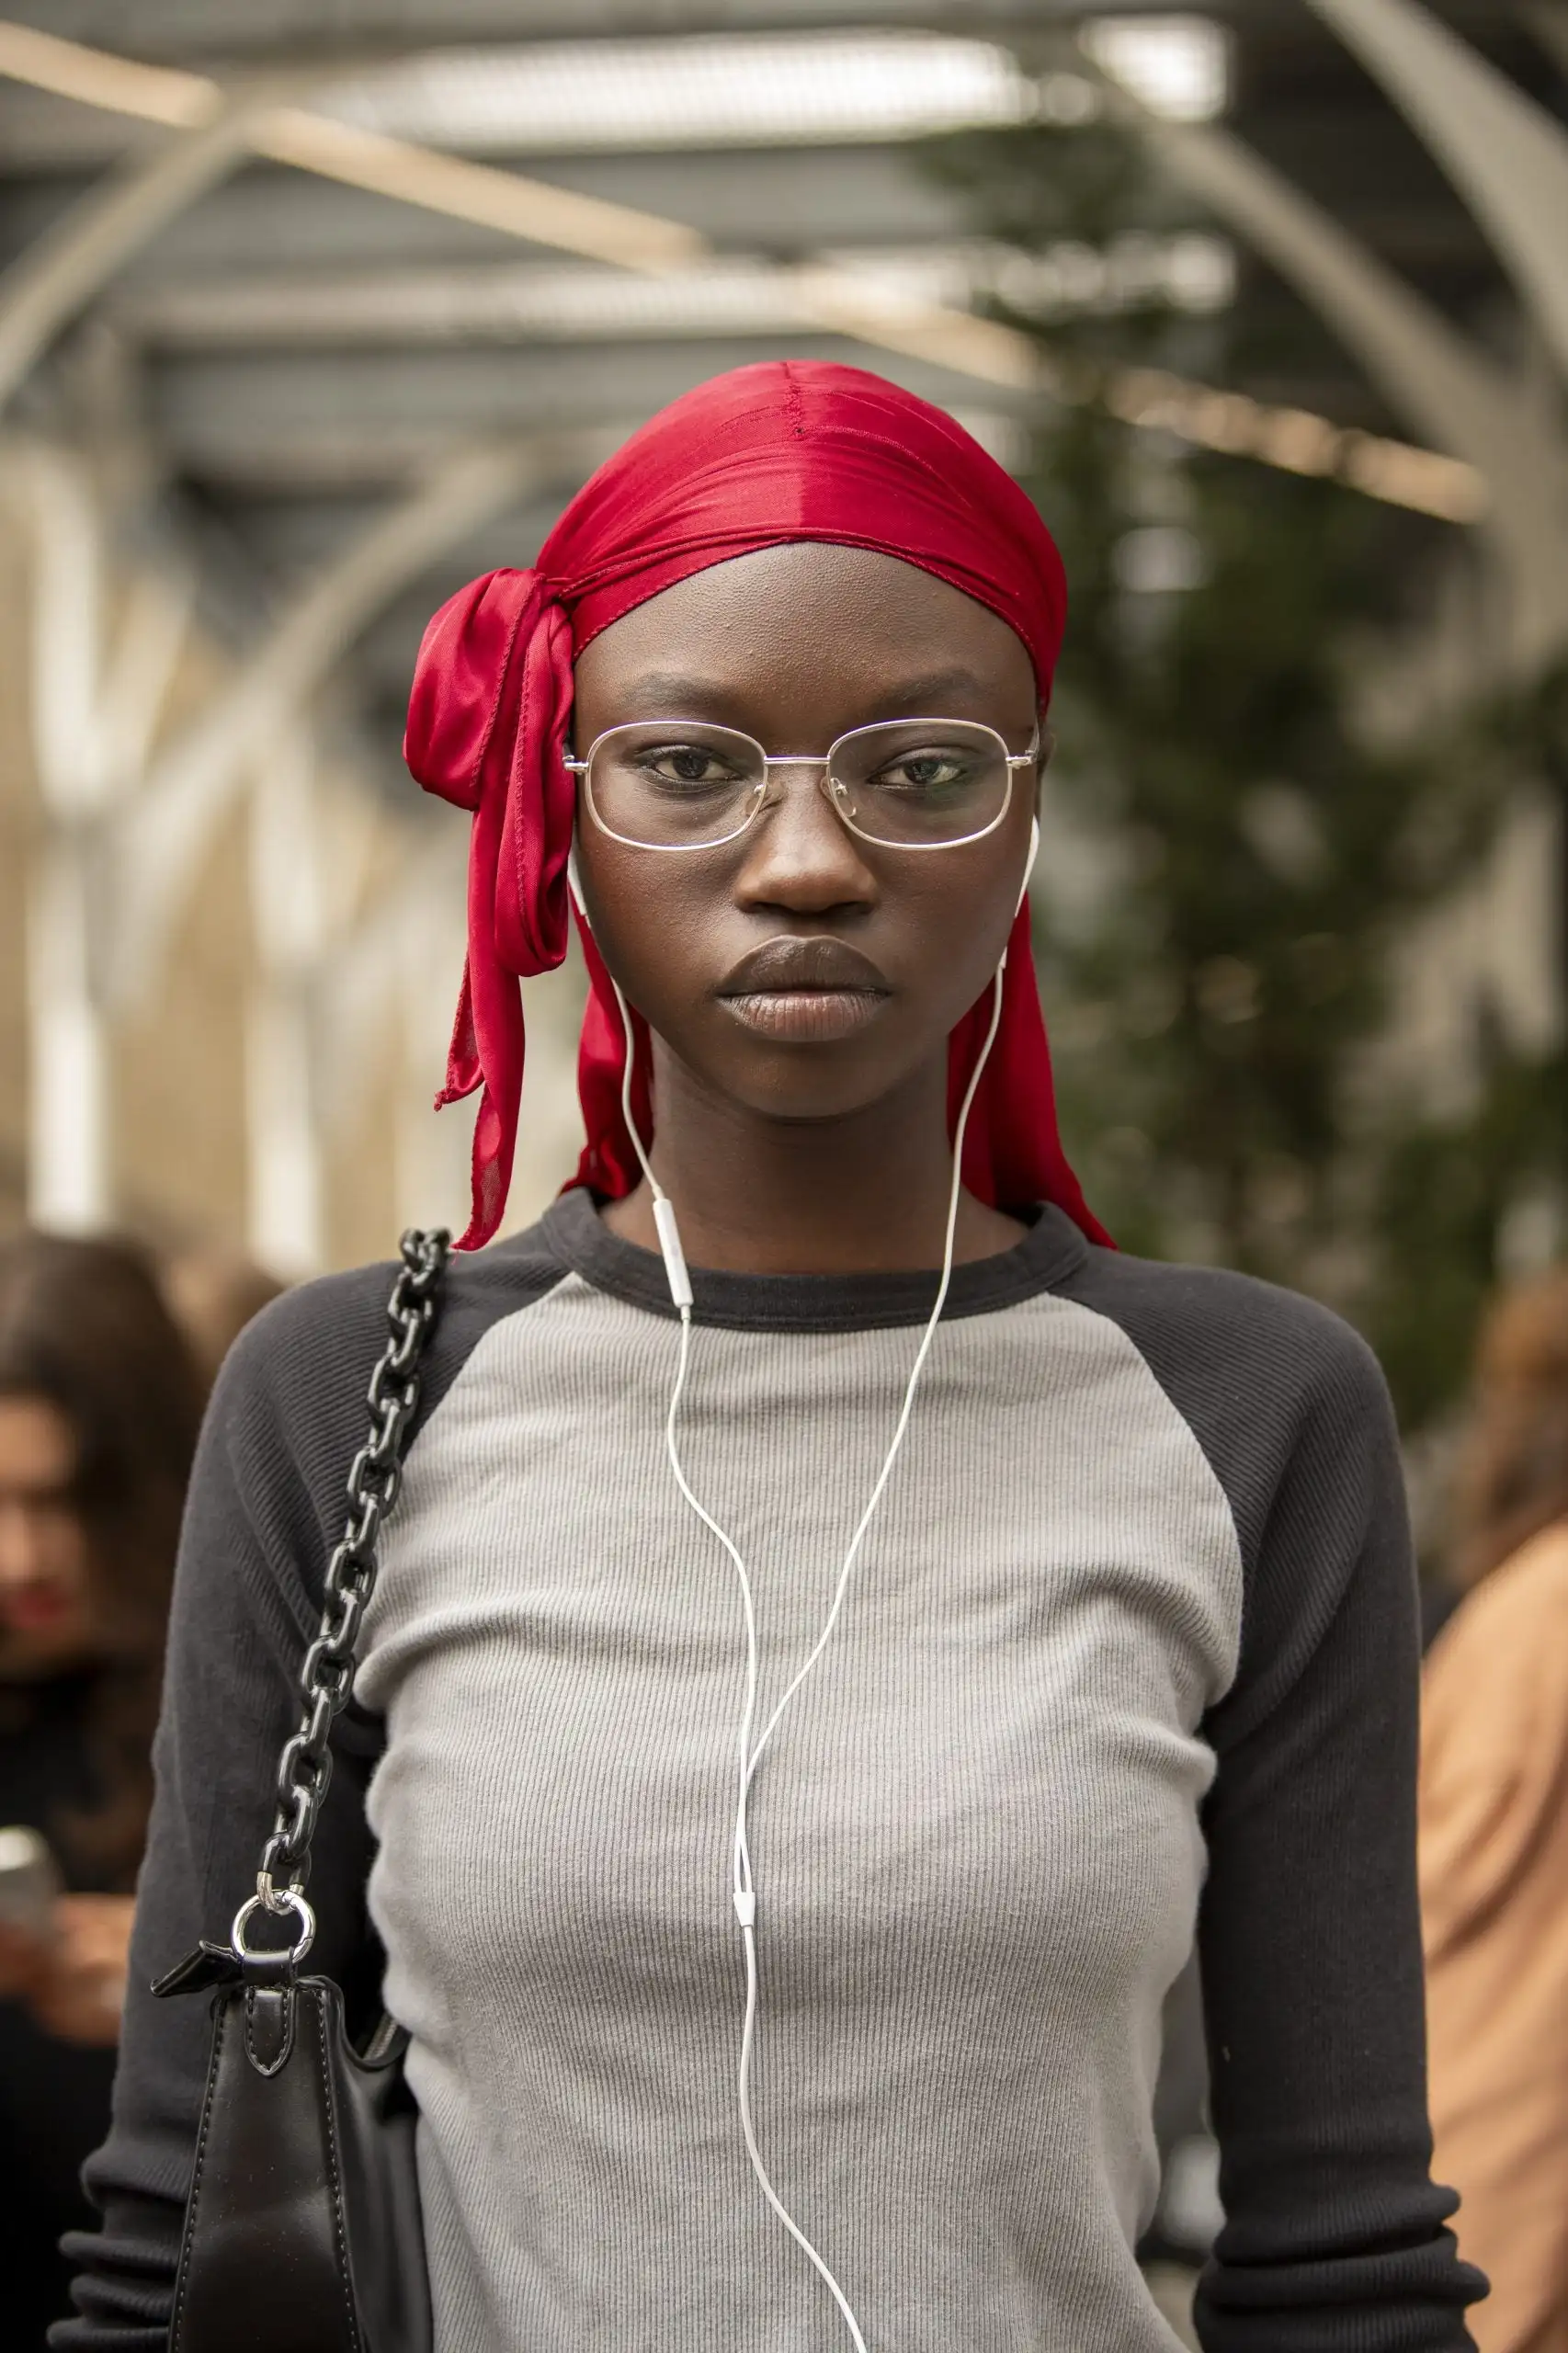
(718, 90)
(1177, 66)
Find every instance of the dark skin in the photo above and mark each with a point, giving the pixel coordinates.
(826, 1154)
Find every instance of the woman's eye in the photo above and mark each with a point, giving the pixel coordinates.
(932, 772)
(686, 763)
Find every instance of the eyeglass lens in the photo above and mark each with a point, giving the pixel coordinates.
(686, 785)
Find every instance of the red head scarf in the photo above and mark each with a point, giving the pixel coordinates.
(790, 449)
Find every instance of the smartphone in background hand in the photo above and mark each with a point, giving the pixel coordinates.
(29, 1881)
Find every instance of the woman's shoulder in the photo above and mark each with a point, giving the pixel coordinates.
(304, 1362)
(1284, 1399)
(300, 1318)
(291, 1408)
(1222, 1335)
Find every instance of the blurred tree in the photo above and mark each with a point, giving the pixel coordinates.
(1235, 849)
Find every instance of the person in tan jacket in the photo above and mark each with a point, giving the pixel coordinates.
(1495, 1836)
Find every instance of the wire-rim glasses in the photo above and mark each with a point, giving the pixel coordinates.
(687, 784)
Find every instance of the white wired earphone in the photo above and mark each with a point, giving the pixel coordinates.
(749, 1756)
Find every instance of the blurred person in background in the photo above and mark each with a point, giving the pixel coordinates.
(99, 1401)
(214, 1294)
(1495, 1833)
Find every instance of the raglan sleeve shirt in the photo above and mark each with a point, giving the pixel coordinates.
(1335, 2240)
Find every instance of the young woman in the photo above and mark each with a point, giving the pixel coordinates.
(100, 1400)
(809, 1729)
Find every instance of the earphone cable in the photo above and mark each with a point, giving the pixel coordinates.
(742, 1856)
(943, 1287)
(749, 1757)
(744, 1895)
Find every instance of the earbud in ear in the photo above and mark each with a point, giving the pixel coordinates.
(573, 884)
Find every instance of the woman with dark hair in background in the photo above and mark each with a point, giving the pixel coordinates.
(1495, 1833)
(100, 1403)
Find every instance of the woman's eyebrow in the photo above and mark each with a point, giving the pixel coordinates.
(917, 698)
(923, 696)
(676, 694)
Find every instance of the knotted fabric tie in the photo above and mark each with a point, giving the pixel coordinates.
(487, 721)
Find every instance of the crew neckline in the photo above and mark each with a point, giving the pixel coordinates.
(578, 1237)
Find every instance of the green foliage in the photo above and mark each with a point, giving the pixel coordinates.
(1232, 854)
(1444, 1189)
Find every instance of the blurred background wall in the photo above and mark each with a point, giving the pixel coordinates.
(313, 313)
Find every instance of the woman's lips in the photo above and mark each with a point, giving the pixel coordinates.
(804, 990)
(34, 1608)
(806, 1016)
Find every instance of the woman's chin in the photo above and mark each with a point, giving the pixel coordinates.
(799, 1086)
(31, 1655)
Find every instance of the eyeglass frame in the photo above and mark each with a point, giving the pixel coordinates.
(821, 761)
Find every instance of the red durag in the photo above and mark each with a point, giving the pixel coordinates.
(789, 449)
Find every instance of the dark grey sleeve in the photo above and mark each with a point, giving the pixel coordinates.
(1310, 1940)
(266, 1504)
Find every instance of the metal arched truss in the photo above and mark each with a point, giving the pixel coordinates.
(1448, 388)
(129, 821)
(1506, 155)
(131, 805)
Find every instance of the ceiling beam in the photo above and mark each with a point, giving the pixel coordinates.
(164, 28)
(1507, 157)
(61, 273)
(775, 202)
(508, 201)
(954, 339)
(1438, 381)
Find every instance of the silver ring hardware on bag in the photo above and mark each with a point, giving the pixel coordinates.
(289, 1900)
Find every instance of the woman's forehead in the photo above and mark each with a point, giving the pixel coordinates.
(847, 621)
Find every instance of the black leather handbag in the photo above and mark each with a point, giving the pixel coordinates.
(302, 2229)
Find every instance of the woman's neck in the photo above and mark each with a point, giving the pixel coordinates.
(865, 1194)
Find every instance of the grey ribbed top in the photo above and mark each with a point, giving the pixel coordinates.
(973, 1835)
(1135, 1610)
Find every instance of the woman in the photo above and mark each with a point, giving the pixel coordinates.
(1493, 1845)
(1134, 1590)
(98, 1407)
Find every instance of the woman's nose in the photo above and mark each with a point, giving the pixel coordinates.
(23, 1549)
(798, 854)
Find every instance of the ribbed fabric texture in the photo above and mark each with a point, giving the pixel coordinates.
(974, 1834)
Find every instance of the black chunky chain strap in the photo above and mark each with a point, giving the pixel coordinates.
(327, 1677)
